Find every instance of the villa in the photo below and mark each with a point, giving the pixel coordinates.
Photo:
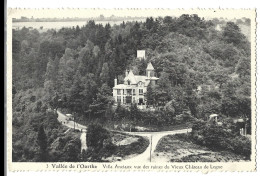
(134, 88)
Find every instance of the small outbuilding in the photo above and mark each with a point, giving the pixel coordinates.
(214, 118)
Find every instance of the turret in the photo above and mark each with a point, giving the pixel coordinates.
(150, 70)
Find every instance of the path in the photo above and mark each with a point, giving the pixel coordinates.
(70, 124)
(153, 137)
(83, 140)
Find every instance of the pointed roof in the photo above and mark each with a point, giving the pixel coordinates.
(150, 66)
(130, 77)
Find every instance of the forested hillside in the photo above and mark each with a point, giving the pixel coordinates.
(74, 69)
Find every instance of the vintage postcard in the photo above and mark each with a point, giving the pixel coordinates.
(131, 90)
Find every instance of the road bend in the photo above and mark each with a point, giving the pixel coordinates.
(153, 138)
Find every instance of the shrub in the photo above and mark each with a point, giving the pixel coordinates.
(198, 125)
(220, 138)
(241, 145)
(96, 135)
(99, 143)
(66, 148)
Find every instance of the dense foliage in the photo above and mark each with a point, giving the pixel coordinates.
(100, 145)
(74, 68)
(132, 118)
(220, 138)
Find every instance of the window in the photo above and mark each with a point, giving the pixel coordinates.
(128, 82)
(133, 99)
(128, 99)
(128, 92)
(118, 92)
(133, 91)
(140, 91)
(141, 101)
(119, 99)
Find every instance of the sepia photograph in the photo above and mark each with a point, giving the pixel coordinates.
(132, 87)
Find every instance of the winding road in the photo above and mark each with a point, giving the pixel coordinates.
(153, 137)
(70, 124)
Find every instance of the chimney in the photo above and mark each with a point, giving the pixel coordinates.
(126, 73)
(115, 81)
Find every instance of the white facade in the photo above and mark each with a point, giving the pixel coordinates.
(134, 88)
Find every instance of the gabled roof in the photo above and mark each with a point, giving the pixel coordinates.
(150, 66)
(130, 77)
(140, 78)
(135, 79)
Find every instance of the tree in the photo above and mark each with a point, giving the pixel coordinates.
(50, 79)
(42, 142)
(101, 103)
(220, 77)
(134, 114)
(142, 67)
(72, 151)
(67, 70)
(150, 95)
(99, 142)
(243, 67)
(104, 75)
(75, 95)
(149, 23)
(96, 51)
(232, 34)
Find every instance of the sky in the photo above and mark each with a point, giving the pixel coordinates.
(86, 13)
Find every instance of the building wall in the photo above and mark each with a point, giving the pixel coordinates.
(135, 97)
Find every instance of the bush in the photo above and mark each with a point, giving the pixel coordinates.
(241, 145)
(96, 136)
(99, 143)
(220, 138)
(136, 147)
(66, 148)
(198, 125)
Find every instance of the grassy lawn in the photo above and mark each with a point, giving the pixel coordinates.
(178, 148)
(126, 146)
